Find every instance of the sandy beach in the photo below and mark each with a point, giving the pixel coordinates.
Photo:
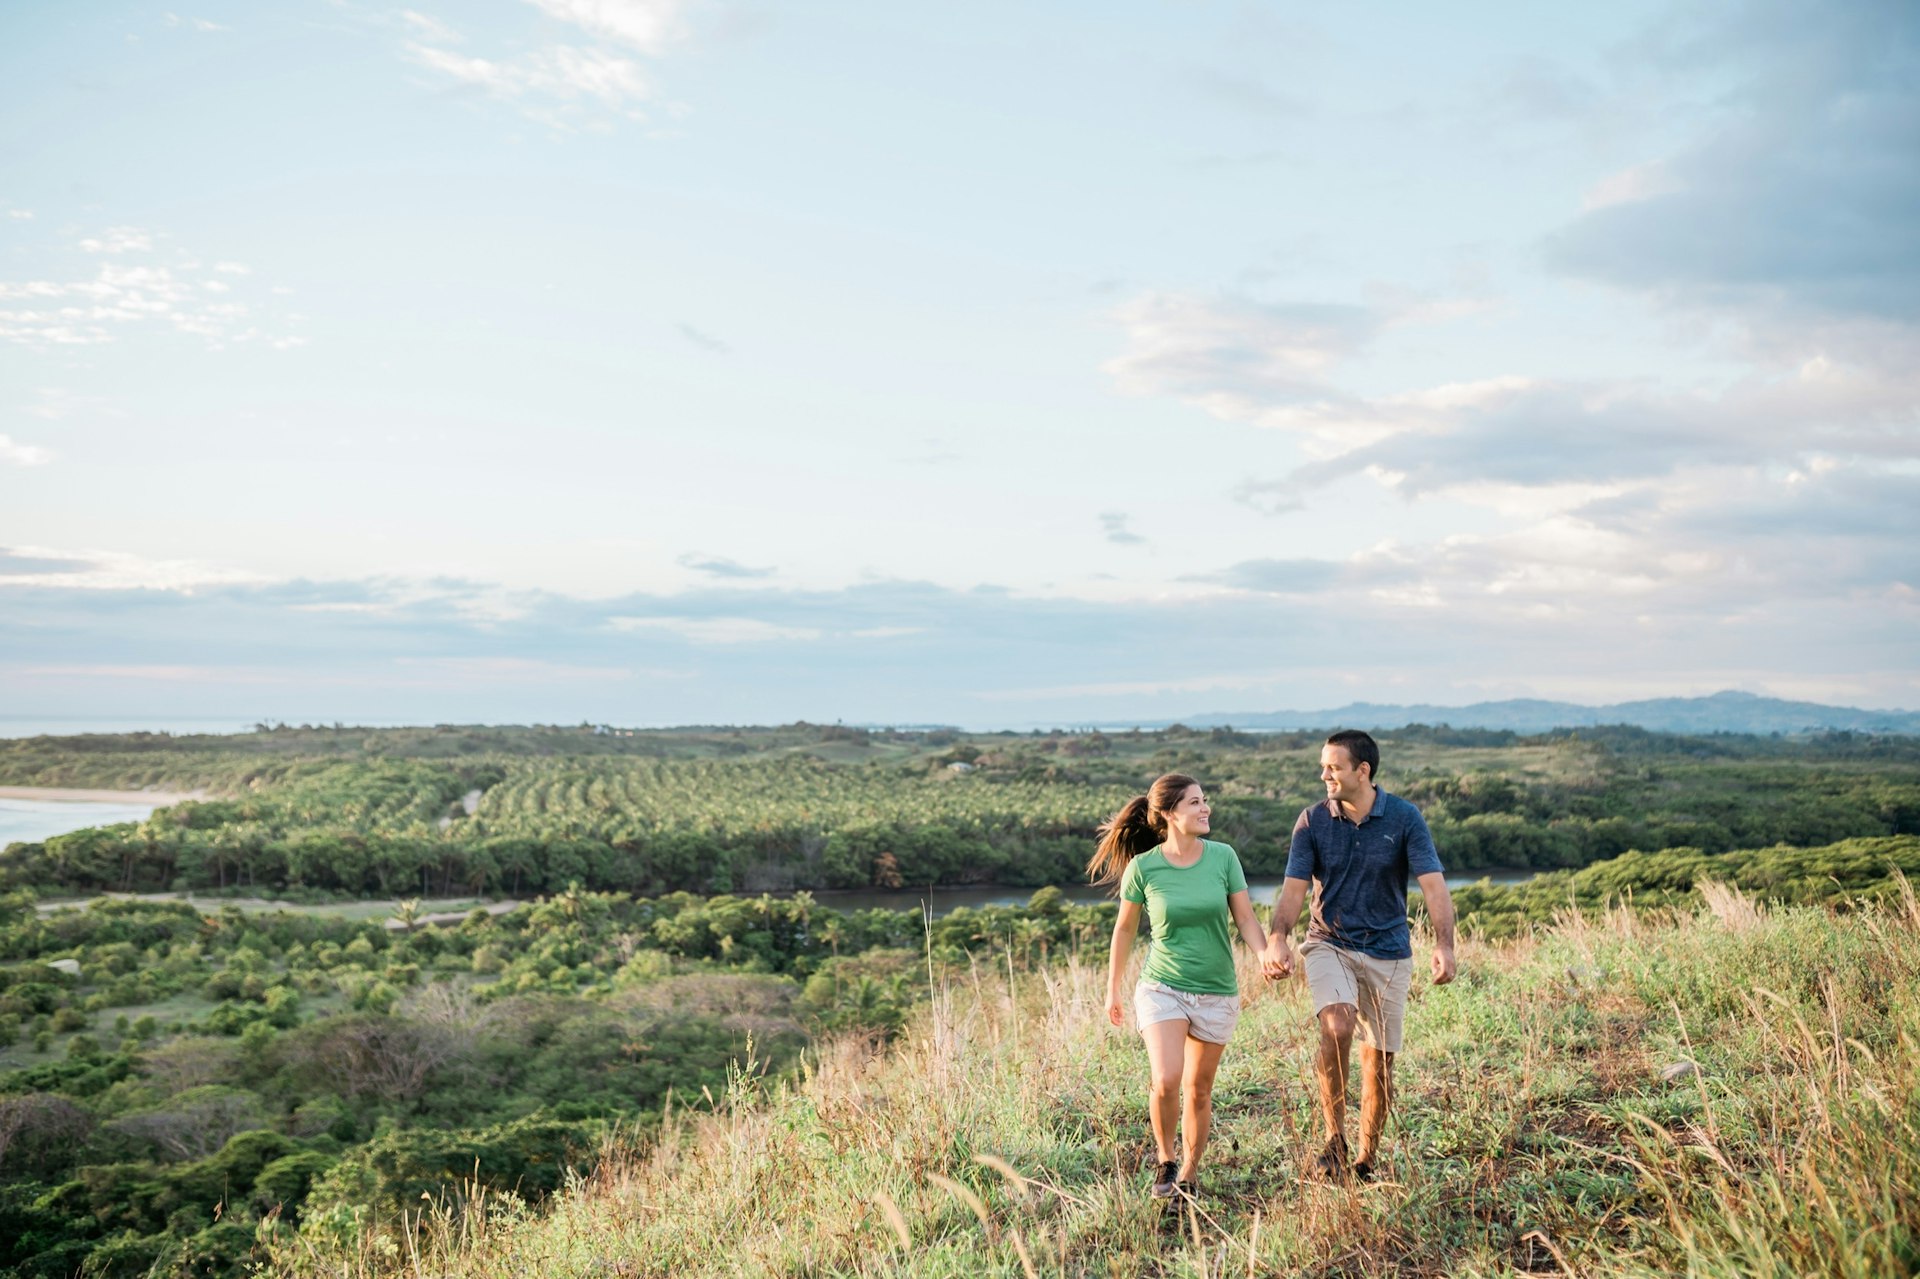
(58, 794)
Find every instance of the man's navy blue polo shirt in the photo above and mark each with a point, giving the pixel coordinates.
(1360, 873)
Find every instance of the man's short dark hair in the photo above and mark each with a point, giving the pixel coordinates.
(1361, 748)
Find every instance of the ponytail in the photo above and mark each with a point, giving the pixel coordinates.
(1124, 836)
(1139, 826)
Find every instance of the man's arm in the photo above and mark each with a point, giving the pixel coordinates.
(1433, 887)
(1286, 913)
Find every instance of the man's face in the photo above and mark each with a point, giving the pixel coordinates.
(1345, 780)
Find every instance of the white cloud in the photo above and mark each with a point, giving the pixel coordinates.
(646, 25)
(12, 454)
(1405, 623)
(119, 239)
(563, 84)
(1606, 496)
(20, 215)
(1628, 186)
(430, 28)
(563, 72)
(717, 630)
(1243, 361)
(469, 671)
(1245, 681)
(151, 673)
(126, 292)
(118, 571)
(198, 24)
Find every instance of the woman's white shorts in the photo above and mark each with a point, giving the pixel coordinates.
(1208, 1017)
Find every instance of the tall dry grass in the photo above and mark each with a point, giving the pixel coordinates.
(1727, 1092)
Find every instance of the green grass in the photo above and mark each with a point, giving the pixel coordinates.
(1004, 1133)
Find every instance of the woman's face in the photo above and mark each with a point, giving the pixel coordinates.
(1190, 816)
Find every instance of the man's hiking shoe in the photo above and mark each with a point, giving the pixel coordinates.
(1186, 1189)
(1331, 1163)
(1363, 1172)
(1163, 1183)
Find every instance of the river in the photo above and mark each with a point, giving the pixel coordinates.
(26, 820)
(944, 900)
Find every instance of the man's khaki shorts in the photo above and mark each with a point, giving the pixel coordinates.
(1208, 1017)
(1377, 988)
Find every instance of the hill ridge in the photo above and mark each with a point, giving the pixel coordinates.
(1728, 711)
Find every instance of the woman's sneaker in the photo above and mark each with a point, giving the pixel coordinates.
(1163, 1180)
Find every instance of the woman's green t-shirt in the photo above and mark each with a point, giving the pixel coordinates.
(1187, 906)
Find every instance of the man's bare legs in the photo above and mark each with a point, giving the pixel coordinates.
(1376, 1084)
(1330, 1067)
(1180, 1064)
(1376, 1098)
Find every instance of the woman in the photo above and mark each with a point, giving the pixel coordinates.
(1188, 998)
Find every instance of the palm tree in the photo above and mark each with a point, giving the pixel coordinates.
(407, 911)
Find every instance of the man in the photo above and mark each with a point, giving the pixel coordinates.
(1356, 851)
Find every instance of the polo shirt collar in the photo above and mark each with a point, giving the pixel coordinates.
(1379, 807)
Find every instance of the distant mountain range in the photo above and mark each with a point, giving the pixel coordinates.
(1727, 712)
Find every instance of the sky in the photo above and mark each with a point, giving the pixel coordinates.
(715, 361)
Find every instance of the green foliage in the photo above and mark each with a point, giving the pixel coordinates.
(529, 1156)
(1537, 1128)
(318, 810)
(1838, 874)
(283, 1063)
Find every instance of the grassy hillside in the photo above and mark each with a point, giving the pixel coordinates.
(1537, 1132)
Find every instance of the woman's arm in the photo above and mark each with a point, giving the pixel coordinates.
(1124, 929)
(1240, 905)
(1286, 912)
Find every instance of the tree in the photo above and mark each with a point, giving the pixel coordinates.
(407, 911)
(39, 1124)
(368, 1055)
(196, 1123)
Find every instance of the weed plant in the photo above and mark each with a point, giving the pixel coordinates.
(1728, 1089)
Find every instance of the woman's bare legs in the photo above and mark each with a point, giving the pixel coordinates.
(1180, 1064)
(1203, 1062)
(1166, 1046)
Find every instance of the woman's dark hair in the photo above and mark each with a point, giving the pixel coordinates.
(1141, 824)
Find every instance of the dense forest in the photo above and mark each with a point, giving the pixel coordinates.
(176, 1085)
(503, 812)
(178, 1079)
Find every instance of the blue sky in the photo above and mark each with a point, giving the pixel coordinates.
(664, 361)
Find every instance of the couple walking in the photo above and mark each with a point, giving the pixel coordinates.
(1356, 852)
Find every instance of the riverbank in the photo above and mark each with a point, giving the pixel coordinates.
(71, 795)
(436, 910)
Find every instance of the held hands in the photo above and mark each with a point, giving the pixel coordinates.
(1443, 968)
(1276, 961)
